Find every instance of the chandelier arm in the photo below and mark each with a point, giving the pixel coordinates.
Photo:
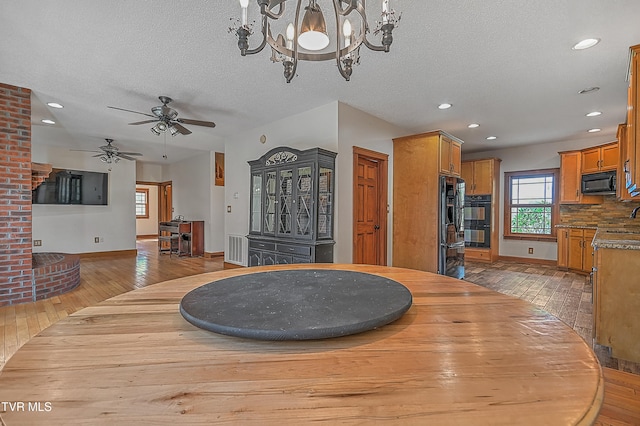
(264, 39)
(344, 12)
(265, 10)
(290, 67)
(345, 73)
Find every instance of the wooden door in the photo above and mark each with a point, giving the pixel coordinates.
(466, 173)
(445, 155)
(370, 207)
(587, 252)
(591, 160)
(575, 257)
(610, 157)
(483, 177)
(570, 177)
(165, 208)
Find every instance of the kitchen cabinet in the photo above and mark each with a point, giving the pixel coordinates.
(570, 180)
(578, 251)
(416, 198)
(450, 155)
(616, 301)
(481, 179)
(631, 159)
(600, 158)
(625, 152)
(562, 235)
(291, 207)
(479, 176)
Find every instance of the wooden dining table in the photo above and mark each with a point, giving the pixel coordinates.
(461, 355)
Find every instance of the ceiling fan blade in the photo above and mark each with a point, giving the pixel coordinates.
(144, 122)
(196, 122)
(98, 155)
(128, 110)
(126, 157)
(183, 130)
(84, 150)
(129, 153)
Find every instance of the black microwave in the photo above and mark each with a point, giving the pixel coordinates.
(599, 183)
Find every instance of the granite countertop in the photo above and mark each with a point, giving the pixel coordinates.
(615, 238)
(578, 226)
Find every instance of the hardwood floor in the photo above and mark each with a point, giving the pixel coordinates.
(562, 294)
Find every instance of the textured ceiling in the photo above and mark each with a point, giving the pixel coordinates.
(506, 64)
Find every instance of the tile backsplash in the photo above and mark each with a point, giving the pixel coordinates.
(609, 213)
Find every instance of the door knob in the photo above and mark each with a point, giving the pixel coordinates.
(376, 227)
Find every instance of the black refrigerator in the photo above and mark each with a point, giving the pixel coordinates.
(451, 227)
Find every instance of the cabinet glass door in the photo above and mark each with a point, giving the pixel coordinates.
(325, 198)
(285, 199)
(256, 202)
(270, 203)
(304, 191)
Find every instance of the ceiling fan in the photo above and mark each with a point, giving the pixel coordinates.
(111, 154)
(166, 118)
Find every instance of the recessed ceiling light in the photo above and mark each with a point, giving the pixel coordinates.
(491, 138)
(47, 121)
(594, 114)
(444, 106)
(54, 105)
(473, 125)
(589, 90)
(594, 130)
(586, 43)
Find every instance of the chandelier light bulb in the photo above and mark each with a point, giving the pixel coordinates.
(244, 4)
(346, 30)
(290, 35)
(313, 32)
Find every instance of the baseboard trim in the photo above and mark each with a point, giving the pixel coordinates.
(228, 265)
(546, 262)
(114, 253)
(212, 255)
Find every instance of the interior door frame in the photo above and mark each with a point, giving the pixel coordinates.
(383, 185)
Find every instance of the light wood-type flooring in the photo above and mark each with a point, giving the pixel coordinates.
(563, 294)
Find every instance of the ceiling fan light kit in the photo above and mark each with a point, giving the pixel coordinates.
(166, 118)
(307, 39)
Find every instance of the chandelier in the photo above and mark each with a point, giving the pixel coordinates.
(304, 33)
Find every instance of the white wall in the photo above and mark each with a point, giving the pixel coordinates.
(149, 226)
(195, 197)
(315, 128)
(71, 229)
(529, 157)
(357, 128)
(148, 172)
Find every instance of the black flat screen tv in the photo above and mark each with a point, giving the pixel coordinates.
(64, 186)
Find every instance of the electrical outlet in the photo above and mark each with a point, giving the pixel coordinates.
(530, 250)
(96, 240)
(37, 243)
(228, 209)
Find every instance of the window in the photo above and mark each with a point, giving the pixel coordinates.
(531, 208)
(142, 203)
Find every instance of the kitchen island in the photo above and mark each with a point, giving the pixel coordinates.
(616, 292)
(462, 354)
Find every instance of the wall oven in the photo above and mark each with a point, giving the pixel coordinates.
(477, 221)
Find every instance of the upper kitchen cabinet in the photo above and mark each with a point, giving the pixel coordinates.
(570, 179)
(450, 155)
(626, 151)
(631, 159)
(600, 158)
(479, 176)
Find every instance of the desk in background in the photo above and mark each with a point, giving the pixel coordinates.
(181, 237)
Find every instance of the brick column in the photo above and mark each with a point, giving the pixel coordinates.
(15, 195)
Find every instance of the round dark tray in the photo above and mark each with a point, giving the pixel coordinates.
(296, 304)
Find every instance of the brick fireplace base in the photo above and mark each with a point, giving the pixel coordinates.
(54, 274)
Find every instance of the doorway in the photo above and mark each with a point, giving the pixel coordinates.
(165, 204)
(370, 183)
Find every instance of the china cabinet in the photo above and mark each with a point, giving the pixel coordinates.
(291, 210)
